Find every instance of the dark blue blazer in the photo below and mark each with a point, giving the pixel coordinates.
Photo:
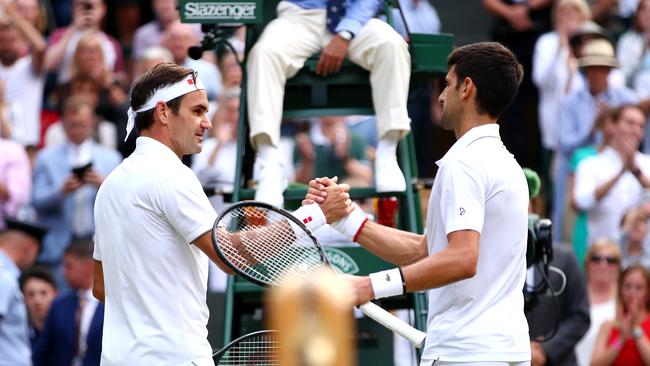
(56, 344)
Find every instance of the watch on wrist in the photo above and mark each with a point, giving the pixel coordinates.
(637, 332)
(347, 35)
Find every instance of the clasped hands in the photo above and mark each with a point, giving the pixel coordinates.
(334, 200)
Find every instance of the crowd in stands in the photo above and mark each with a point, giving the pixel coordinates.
(580, 119)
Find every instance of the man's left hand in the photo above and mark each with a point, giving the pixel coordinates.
(332, 56)
(337, 205)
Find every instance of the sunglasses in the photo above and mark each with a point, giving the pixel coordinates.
(601, 258)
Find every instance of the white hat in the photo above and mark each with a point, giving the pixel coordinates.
(598, 52)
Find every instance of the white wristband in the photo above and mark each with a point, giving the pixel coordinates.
(311, 215)
(387, 283)
(351, 225)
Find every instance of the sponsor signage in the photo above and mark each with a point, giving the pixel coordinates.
(234, 11)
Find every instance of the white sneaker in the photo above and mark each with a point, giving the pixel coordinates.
(271, 184)
(388, 175)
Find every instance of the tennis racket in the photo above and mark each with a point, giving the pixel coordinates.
(257, 348)
(262, 243)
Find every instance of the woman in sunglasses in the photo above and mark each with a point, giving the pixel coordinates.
(624, 341)
(602, 263)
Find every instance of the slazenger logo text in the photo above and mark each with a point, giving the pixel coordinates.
(234, 11)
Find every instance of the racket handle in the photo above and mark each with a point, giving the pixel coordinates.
(390, 321)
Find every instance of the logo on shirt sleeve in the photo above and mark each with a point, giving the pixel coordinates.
(461, 211)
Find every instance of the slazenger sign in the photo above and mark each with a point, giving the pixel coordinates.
(216, 11)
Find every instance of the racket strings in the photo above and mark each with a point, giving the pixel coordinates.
(257, 350)
(264, 244)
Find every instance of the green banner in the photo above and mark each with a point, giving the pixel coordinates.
(213, 12)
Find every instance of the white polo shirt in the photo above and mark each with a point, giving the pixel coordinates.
(479, 186)
(147, 212)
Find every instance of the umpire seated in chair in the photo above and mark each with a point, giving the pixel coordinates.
(338, 29)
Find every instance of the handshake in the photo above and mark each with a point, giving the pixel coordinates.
(329, 202)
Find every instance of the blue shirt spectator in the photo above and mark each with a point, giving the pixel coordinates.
(14, 331)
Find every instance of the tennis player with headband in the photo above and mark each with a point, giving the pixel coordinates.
(473, 255)
(153, 223)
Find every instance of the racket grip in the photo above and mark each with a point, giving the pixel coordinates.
(390, 321)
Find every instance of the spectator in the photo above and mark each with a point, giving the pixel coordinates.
(610, 183)
(229, 67)
(33, 12)
(19, 246)
(73, 329)
(631, 47)
(329, 150)
(39, 289)
(634, 239)
(578, 114)
(15, 179)
(555, 68)
(63, 199)
(420, 16)
(151, 57)
(603, 265)
(86, 88)
(87, 15)
(624, 341)
(150, 34)
(587, 32)
(580, 234)
(178, 38)
(21, 75)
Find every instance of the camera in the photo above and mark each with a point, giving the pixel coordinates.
(540, 241)
(539, 252)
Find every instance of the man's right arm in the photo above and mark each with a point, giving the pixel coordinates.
(393, 245)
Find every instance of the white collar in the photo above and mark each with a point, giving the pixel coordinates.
(475, 133)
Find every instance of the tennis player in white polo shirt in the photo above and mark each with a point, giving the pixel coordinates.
(148, 211)
(473, 255)
(153, 223)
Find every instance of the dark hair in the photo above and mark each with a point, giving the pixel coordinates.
(161, 75)
(618, 111)
(80, 248)
(494, 70)
(38, 272)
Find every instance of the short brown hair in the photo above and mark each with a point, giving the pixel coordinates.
(494, 70)
(75, 104)
(160, 76)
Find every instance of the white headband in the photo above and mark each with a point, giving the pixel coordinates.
(165, 94)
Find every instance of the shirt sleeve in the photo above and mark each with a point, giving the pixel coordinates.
(462, 201)
(187, 207)
(8, 286)
(358, 14)
(584, 189)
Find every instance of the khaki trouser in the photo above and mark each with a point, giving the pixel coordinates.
(298, 33)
